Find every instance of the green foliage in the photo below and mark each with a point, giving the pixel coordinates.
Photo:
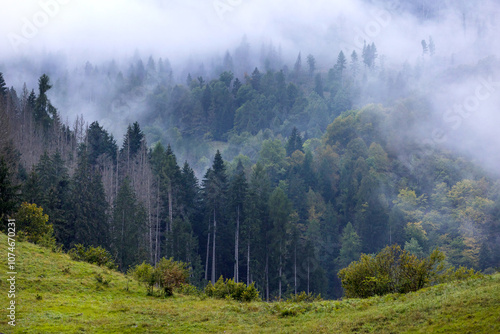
(229, 289)
(93, 255)
(393, 270)
(8, 191)
(167, 275)
(31, 220)
(304, 297)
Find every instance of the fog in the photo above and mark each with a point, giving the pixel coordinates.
(67, 33)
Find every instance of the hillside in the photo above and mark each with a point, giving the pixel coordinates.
(57, 295)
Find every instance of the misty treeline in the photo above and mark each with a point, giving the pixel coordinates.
(302, 181)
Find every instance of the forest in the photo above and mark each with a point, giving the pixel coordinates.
(276, 174)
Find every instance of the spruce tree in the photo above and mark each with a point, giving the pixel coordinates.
(8, 191)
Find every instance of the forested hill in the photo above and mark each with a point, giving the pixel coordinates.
(303, 174)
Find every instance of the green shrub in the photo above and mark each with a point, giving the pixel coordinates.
(170, 274)
(304, 297)
(393, 270)
(144, 273)
(93, 255)
(230, 289)
(167, 275)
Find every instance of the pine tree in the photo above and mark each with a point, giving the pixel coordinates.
(127, 229)
(294, 142)
(425, 48)
(8, 192)
(44, 112)
(311, 61)
(3, 87)
(88, 207)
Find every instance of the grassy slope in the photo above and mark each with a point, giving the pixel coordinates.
(57, 295)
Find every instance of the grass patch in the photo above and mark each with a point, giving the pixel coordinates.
(57, 295)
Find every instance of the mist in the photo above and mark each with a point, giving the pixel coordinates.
(61, 36)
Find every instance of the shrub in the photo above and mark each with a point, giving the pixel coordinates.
(170, 274)
(144, 274)
(167, 275)
(93, 255)
(393, 270)
(230, 289)
(33, 226)
(304, 297)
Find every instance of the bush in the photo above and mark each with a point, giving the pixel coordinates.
(33, 226)
(393, 270)
(167, 275)
(304, 297)
(230, 289)
(170, 274)
(93, 255)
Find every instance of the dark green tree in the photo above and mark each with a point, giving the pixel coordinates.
(294, 142)
(127, 228)
(8, 192)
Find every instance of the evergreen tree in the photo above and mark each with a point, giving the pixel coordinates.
(256, 79)
(132, 141)
(3, 87)
(44, 112)
(294, 142)
(127, 229)
(425, 48)
(8, 192)
(100, 142)
(88, 207)
(311, 61)
(351, 247)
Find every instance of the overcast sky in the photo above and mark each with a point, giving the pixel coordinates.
(98, 30)
(93, 29)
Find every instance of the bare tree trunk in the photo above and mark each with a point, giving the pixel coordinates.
(307, 275)
(208, 252)
(213, 250)
(236, 246)
(279, 287)
(267, 277)
(248, 262)
(295, 269)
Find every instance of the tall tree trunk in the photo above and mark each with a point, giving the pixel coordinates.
(248, 262)
(279, 287)
(208, 252)
(295, 269)
(236, 246)
(213, 251)
(267, 277)
(307, 275)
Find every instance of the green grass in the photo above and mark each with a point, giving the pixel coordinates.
(58, 295)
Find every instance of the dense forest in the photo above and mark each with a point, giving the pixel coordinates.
(275, 174)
